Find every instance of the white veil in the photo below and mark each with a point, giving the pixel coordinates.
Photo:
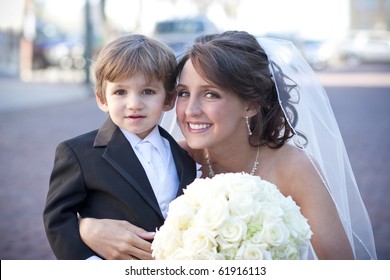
(324, 143)
(321, 140)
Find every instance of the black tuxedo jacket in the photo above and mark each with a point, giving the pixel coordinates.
(98, 175)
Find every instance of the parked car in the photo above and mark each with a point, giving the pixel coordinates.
(318, 53)
(366, 46)
(179, 33)
(52, 47)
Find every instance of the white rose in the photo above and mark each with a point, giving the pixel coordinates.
(249, 251)
(233, 231)
(295, 221)
(166, 240)
(182, 254)
(243, 184)
(213, 213)
(275, 232)
(242, 205)
(193, 194)
(199, 240)
(269, 211)
(215, 187)
(291, 252)
(269, 192)
(180, 213)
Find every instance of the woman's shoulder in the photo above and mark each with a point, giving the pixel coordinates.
(289, 157)
(291, 168)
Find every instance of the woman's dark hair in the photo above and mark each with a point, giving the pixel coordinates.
(235, 61)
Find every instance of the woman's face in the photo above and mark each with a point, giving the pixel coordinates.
(208, 116)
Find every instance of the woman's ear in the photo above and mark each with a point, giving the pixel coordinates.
(169, 104)
(102, 104)
(252, 110)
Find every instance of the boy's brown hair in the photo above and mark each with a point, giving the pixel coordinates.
(135, 54)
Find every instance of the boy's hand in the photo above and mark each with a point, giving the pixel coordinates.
(116, 240)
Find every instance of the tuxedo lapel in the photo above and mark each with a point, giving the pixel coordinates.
(185, 165)
(120, 155)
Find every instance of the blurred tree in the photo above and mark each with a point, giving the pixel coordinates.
(88, 41)
(103, 4)
(26, 40)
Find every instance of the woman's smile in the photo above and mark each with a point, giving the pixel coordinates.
(198, 127)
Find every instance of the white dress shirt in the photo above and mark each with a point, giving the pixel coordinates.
(161, 171)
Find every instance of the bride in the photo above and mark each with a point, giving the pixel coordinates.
(255, 106)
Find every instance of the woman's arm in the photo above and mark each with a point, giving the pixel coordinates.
(114, 239)
(307, 189)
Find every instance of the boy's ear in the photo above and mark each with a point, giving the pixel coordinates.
(169, 104)
(101, 104)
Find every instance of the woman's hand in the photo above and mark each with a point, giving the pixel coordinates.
(116, 240)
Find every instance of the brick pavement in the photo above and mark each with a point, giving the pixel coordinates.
(363, 117)
(28, 139)
(29, 135)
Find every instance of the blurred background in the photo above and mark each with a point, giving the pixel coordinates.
(46, 96)
(39, 35)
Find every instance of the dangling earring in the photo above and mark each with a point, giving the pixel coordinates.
(248, 126)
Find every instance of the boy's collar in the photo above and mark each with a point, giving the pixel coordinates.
(153, 137)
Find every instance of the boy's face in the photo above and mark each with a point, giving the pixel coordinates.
(135, 104)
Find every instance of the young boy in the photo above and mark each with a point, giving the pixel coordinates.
(107, 173)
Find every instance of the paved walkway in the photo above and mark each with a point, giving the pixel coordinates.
(34, 118)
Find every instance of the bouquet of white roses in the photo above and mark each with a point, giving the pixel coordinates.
(232, 216)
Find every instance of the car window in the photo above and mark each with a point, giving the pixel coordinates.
(179, 27)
